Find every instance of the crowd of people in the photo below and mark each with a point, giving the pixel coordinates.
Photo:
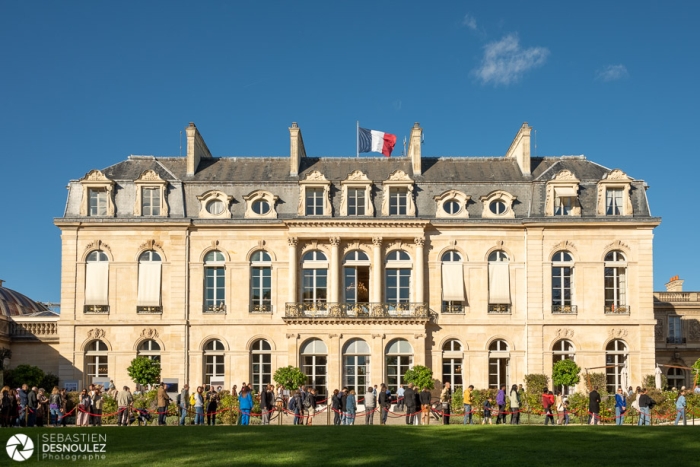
(35, 407)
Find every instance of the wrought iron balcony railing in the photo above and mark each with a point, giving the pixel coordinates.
(617, 310)
(564, 309)
(261, 308)
(452, 308)
(96, 309)
(398, 311)
(675, 340)
(215, 309)
(499, 309)
(149, 310)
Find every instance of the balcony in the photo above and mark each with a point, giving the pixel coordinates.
(44, 331)
(219, 309)
(564, 309)
(264, 308)
(499, 309)
(452, 308)
(675, 340)
(676, 297)
(96, 309)
(149, 310)
(617, 310)
(320, 312)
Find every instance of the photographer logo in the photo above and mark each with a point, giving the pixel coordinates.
(20, 447)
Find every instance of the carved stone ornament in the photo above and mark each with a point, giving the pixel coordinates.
(333, 336)
(358, 175)
(419, 336)
(419, 241)
(399, 176)
(292, 241)
(96, 245)
(693, 330)
(96, 333)
(566, 245)
(335, 241)
(261, 243)
(563, 333)
(150, 176)
(618, 333)
(351, 247)
(377, 241)
(152, 244)
(316, 176)
(149, 333)
(659, 331)
(617, 174)
(565, 175)
(616, 245)
(292, 336)
(380, 336)
(95, 176)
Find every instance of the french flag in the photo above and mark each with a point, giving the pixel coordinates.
(376, 141)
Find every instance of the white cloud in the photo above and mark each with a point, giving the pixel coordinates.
(505, 62)
(469, 21)
(612, 73)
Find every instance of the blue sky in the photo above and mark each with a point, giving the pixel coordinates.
(85, 84)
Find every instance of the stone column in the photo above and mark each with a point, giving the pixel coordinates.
(333, 279)
(376, 292)
(292, 295)
(418, 269)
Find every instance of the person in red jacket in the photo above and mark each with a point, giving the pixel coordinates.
(547, 403)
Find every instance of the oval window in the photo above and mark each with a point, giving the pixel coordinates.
(215, 207)
(451, 206)
(261, 207)
(498, 207)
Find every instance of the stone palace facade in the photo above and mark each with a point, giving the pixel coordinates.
(356, 269)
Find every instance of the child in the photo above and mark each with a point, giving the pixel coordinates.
(566, 412)
(487, 411)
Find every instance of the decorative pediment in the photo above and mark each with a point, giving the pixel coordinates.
(399, 176)
(95, 176)
(618, 333)
(617, 174)
(565, 176)
(96, 245)
(96, 333)
(358, 176)
(149, 176)
(315, 176)
(149, 333)
(618, 245)
(566, 245)
(565, 333)
(261, 204)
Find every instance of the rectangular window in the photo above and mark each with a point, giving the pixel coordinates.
(356, 201)
(616, 289)
(150, 202)
(674, 330)
(214, 289)
(314, 285)
(561, 287)
(398, 285)
(613, 202)
(563, 205)
(261, 293)
(398, 201)
(97, 198)
(214, 368)
(314, 201)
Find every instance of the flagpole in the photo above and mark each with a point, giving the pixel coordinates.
(357, 140)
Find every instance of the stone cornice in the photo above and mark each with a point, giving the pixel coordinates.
(355, 222)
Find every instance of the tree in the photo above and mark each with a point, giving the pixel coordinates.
(566, 373)
(535, 383)
(144, 371)
(420, 376)
(290, 377)
(696, 372)
(24, 374)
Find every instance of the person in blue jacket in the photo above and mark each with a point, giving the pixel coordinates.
(245, 405)
(680, 408)
(350, 408)
(620, 406)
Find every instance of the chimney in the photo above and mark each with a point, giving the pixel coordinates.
(1, 282)
(414, 148)
(196, 149)
(674, 285)
(296, 149)
(520, 148)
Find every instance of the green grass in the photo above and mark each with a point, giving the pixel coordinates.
(388, 446)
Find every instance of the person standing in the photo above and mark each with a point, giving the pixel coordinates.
(446, 401)
(400, 399)
(620, 406)
(501, 402)
(409, 396)
(488, 403)
(32, 406)
(468, 402)
(425, 404)
(370, 405)
(384, 404)
(83, 417)
(547, 406)
(212, 404)
(23, 414)
(163, 401)
(644, 408)
(680, 408)
(124, 401)
(351, 408)
(514, 397)
(245, 404)
(295, 403)
(199, 406)
(310, 405)
(54, 407)
(594, 407)
(97, 402)
(64, 406)
(184, 403)
(344, 406)
(267, 396)
(336, 404)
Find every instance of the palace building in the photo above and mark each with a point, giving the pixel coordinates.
(484, 269)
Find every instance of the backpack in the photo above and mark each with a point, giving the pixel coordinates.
(652, 403)
(307, 401)
(192, 400)
(178, 399)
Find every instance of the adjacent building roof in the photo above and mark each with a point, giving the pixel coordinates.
(13, 303)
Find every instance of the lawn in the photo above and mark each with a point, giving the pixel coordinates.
(386, 445)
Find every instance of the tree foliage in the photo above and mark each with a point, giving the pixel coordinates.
(25, 374)
(696, 371)
(566, 373)
(290, 377)
(144, 371)
(535, 383)
(420, 376)
(597, 380)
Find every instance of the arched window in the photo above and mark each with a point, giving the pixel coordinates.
(452, 282)
(96, 283)
(563, 350)
(499, 282)
(398, 279)
(96, 361)
(261, 364)
(214, 282)
(452, 357)
(213, 361)
(615, 361)
(149, 283)
(399, 359)
(149, 348)
(356, 270)
(499, 364)
(676, 378)
(356, 365)
(562, 282)
(261, 282)
(616, 283)
(314, 281)
(314, 359)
